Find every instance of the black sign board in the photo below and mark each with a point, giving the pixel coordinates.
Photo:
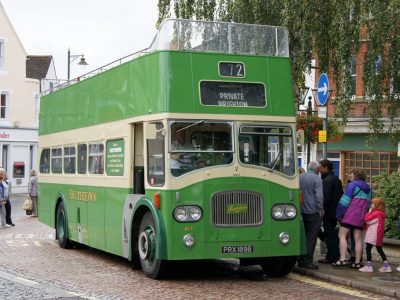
(236, 94)
(231, 69)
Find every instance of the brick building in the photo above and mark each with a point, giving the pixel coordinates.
(353, 150)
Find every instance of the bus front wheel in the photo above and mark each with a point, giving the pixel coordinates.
(147, 248)
(278, 266)
(61, 227)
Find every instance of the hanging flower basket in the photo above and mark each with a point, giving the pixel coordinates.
(311, 125)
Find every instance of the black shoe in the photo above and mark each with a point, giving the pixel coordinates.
(11, 224)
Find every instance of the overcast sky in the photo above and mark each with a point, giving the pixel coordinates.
(102, 30)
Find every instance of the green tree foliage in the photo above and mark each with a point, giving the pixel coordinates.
(388, 187)
(333, 31)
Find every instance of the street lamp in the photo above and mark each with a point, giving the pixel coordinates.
(72, 58)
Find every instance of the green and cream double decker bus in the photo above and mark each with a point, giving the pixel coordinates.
(184, 151)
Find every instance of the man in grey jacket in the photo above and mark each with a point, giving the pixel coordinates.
(312, 212)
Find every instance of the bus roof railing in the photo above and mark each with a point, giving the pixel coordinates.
(204, 36)
(95, 72)
(224, 37)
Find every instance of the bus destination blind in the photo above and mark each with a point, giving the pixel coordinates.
(233, 94)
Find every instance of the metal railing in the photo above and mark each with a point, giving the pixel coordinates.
(106, 67)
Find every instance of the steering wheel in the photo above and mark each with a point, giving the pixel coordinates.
(186, 158)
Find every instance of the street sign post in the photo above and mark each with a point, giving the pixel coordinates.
(323, 96)
(322, 136)
(322, 112)
(323, 89)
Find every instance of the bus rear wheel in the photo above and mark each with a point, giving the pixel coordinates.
(278, 266)
(152, 266)
(62, 227)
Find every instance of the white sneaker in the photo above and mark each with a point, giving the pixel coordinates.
(384, 269)
(7, 225)
(398, 269)
(366, 269)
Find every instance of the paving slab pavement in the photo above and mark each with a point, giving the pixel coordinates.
(386, 284)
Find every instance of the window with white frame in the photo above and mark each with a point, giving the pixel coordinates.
(3, 105)
(2, 59)
(353, 75)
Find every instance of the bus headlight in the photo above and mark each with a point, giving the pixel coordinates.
(283, 212)
(187, 213)
(195, 213)
(290, 211)
(277, 212)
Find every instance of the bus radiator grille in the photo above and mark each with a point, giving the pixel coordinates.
(237, 208)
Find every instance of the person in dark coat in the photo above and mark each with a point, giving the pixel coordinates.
(333, 191)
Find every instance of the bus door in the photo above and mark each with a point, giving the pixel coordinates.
(138, 160)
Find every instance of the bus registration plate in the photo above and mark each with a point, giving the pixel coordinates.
(237, 249)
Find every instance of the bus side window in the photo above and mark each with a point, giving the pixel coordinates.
(69, 159)
(45, 161)
(56, 160)
(82, 158)
(96, 158)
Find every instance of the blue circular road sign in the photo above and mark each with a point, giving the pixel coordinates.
(323, 89)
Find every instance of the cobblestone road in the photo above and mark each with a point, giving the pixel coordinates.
(32, 266)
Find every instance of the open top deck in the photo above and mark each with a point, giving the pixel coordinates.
(221, 37)
(205, 36)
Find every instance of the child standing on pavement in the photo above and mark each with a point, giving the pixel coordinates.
(375, 220)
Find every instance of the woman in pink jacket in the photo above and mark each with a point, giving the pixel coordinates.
(375, 220)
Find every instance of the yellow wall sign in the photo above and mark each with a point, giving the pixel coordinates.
(322, 136)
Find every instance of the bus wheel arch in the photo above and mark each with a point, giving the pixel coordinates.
(61, 225)
(147, 242)
(137, 218)
(278, 266)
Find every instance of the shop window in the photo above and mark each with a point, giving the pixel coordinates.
(19, 169)
(372, 163)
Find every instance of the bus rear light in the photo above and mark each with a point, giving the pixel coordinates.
(157, 200)
(283, 212)
(189, 213)
(188, 240)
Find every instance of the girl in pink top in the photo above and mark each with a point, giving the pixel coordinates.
(375, 220)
